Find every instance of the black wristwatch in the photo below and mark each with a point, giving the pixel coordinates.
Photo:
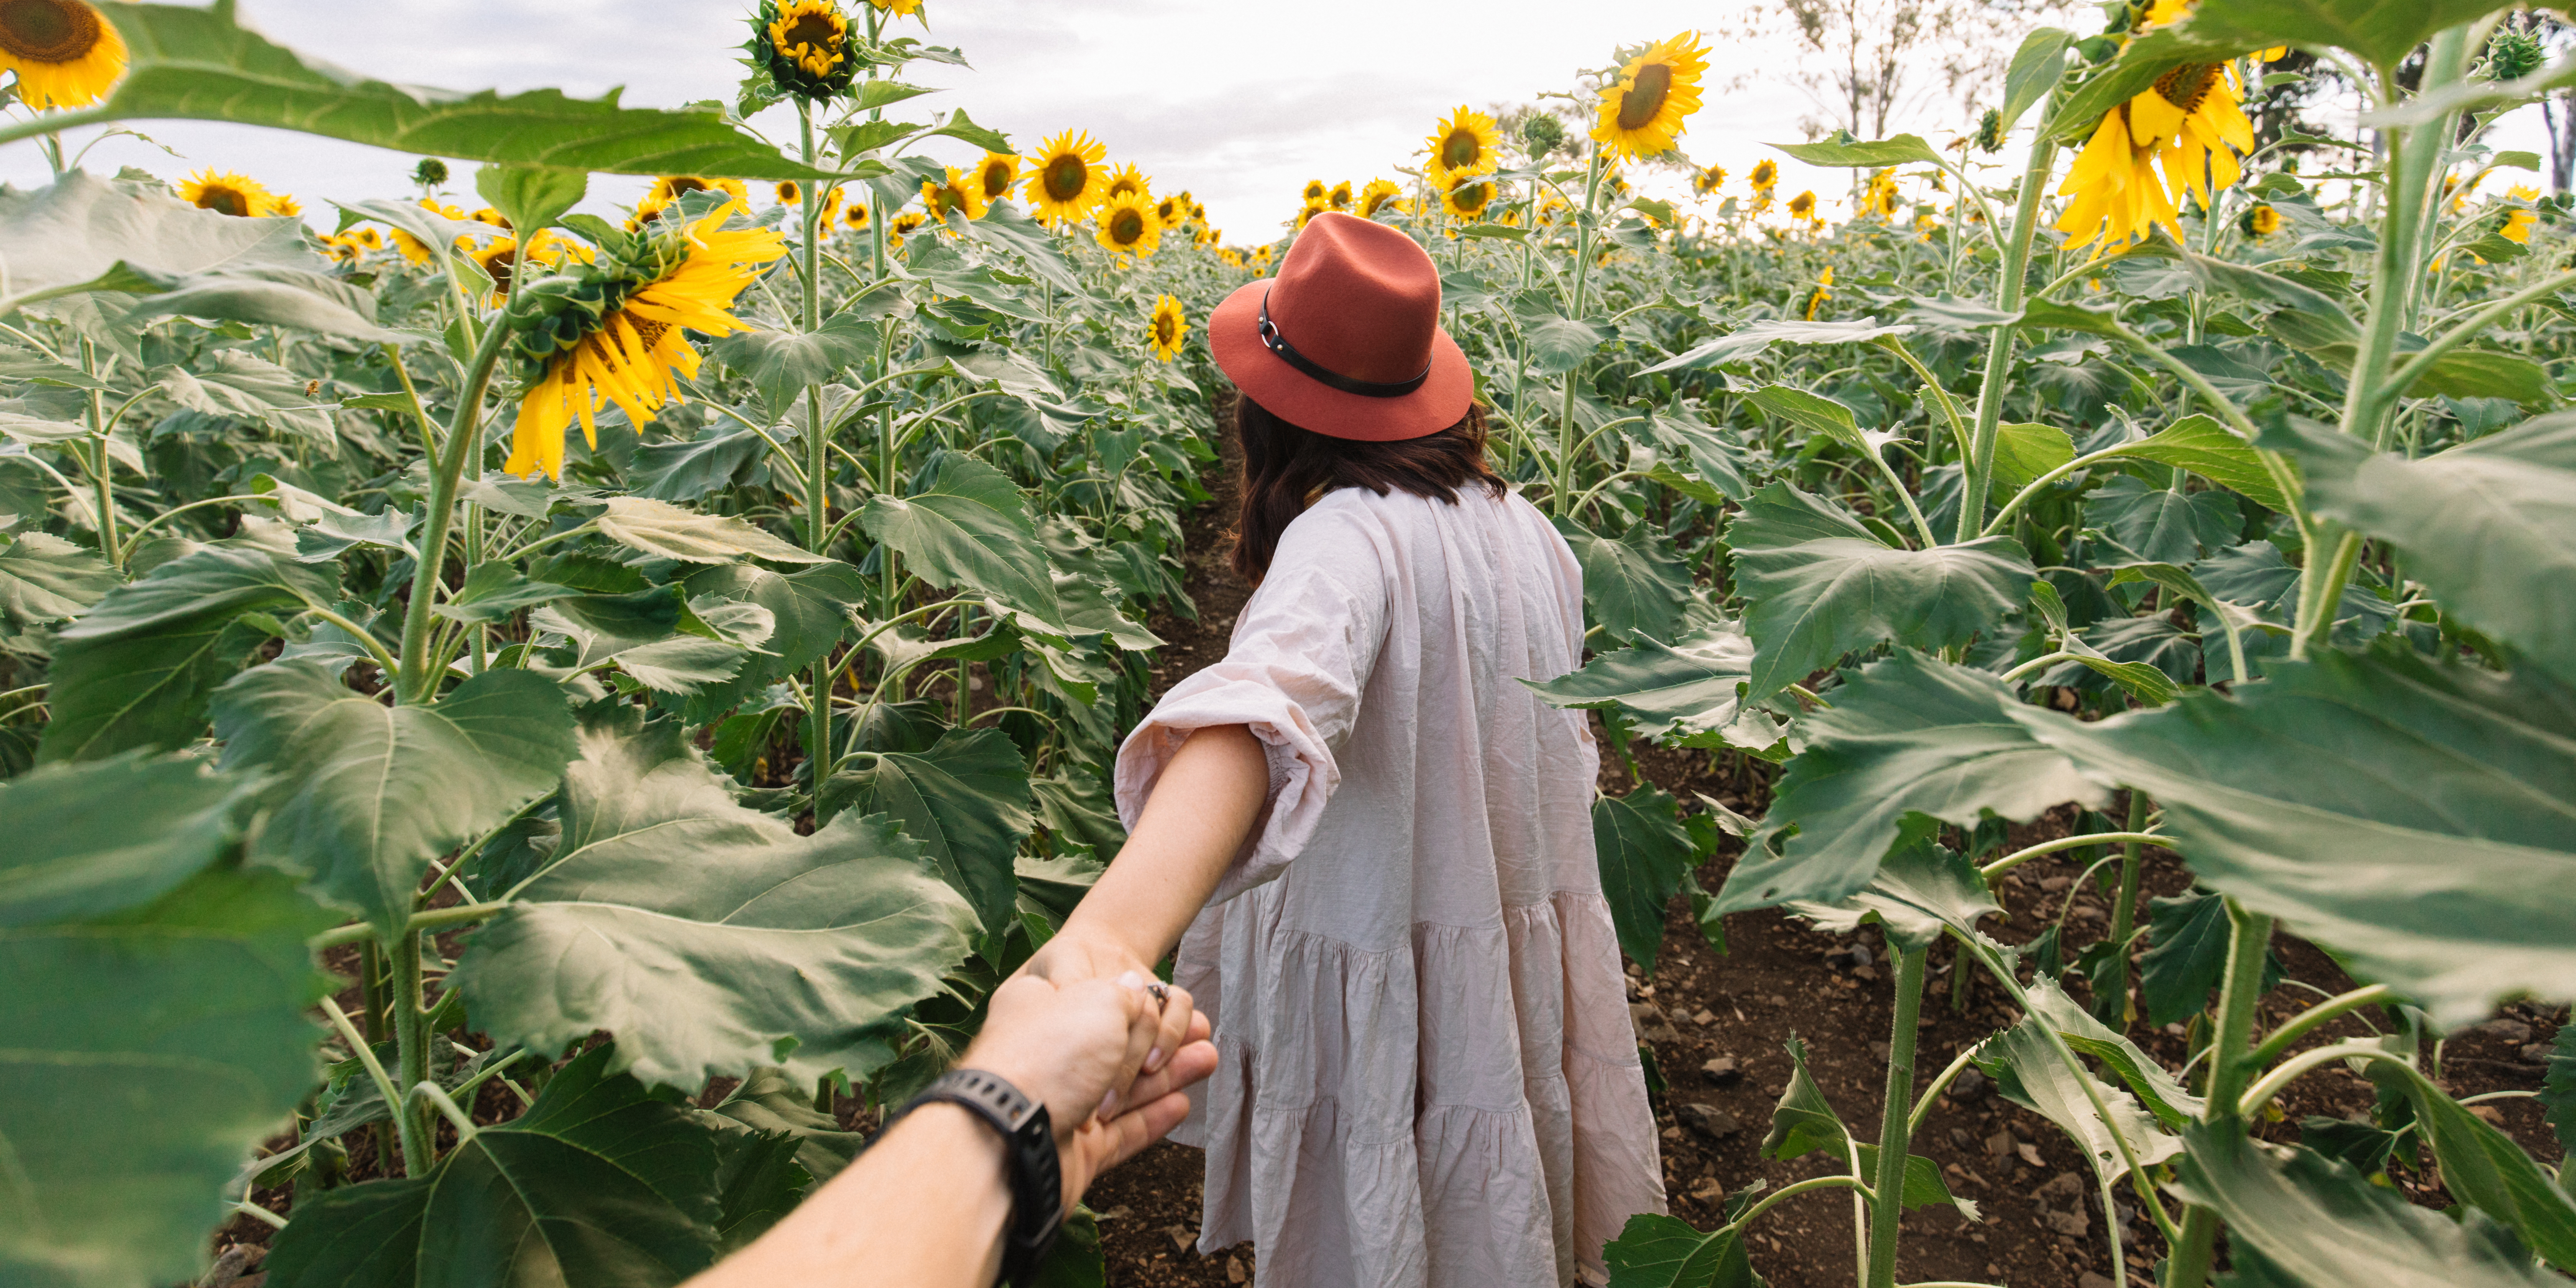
(1037, 1177)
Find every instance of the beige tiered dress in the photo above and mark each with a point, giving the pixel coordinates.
(1427, 1075)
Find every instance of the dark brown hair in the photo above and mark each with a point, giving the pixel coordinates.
(1284, 465)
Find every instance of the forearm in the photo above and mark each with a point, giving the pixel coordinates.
(923, 1207)
(1189, 832)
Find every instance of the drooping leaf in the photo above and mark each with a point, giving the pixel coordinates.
(710, 938)
(1921, 890)
(2025, 452)
(689, 469)
(598, 1184)
(1922, 1186)
(2319, 1222)
(1804, 1121)
(2189, 955)
(496, 590)
(1635, 583)
(2489, 525)
(1658, 1251)
(2161, 525)
(2315, 795)
(2028, 1071)
(1897, 149)
(1684, 692)
(1909, 735)
(44, 578)
(661, 528)
(1644, 854)
(2036, 68)
(2208, 449)
(768, 1102)
(652, 636)
(782, 364)
(972, 529)
(966, 800)
(2163, 1096)
(200, 64)
(367, 794)
(169, 1003)
(531, 197)
(1557, 344)
(2484, 1168)
(1821, 585)
(1754, 337)
(134, 671)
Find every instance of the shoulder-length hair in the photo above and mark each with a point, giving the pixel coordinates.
(1285, 467)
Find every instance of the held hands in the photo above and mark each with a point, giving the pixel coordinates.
(1105, 1058)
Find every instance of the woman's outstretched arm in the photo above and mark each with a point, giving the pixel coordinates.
(1203, 807)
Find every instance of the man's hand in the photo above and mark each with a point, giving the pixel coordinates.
(1105, 1055)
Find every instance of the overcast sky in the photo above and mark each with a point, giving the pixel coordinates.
(1239, 101)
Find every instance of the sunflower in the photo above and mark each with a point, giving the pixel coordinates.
(1765, 176)
(1230, 255)
(1656, 93)
(2518, 225)
(1313, 193)
(1464, 143)
(618, 332)
(1171, 329)
(2187, 122)
(1467, 198)
(1340, 197)
(224, 192)
(1881, 199)
(1803, 206)
(898, 8)
(346, 250)
(671, 187)
(1374, 197)
(1127, 223)
(2262, 221)
(907, 223)
(1066, 179)
(1305, 214)
(959, 196)
(790, 192)
(995, 175)
(1704, 182)
(1817, 300)
(65, 53)
(856, 217)
(284, 204)
(1172, 211)
(805, 44)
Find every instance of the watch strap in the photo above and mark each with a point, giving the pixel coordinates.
(1036, 1173)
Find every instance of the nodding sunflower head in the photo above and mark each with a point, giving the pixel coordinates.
(1340, 197)
(228, 193)
(1990, 131)
(997, 174)
(805, 44)
(2262, 220)
(1765, 176)
(64, 52)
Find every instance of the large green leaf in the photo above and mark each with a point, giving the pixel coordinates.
(2483, 1167)
(663, 529)
(1754, 337)
(2163, 1096)
(367, 794)
(782, 364)
(1921, 891)
(1908, 735)
(1644, 854)
(200, 64)
(2161, 525)
(1803, 1121)
(2025, 452)
(809, 609)
(2383, 32)
(2321, 1223)
(134, 671)
(709, 937)
(1848, 151)
(972, 528)
(1635, 583)
(2037, 66)
(2210, 450)
(2189, 933)
(152, 1043)
(1821, 586)
(966, 800)
(2490, 526)
(2316, 796)
(98, 838)
(44, 578)
(1658, 1251)
(1684, 692)
(598, 1185)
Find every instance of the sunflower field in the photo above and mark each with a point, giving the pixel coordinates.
(510, 715)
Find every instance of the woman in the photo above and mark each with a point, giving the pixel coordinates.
(1378, 841)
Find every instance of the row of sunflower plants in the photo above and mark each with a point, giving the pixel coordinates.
(743, 738)
(2228, 505)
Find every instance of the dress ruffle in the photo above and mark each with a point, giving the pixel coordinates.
(1359, 1103)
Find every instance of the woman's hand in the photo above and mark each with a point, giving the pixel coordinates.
(1103, 1054)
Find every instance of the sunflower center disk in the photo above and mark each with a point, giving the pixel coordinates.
(814, 30)
(1645, 96)
(1128, 226)
(1065, 177)
(1459, 150)
(2185, 86)
(47, 31)
(226, 201)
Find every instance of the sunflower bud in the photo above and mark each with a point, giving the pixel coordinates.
(2513, 55)
(805, 45)
(1990, 131)
(430, 173)
(1542, 134)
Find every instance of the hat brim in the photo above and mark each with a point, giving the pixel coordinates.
(1234, 339)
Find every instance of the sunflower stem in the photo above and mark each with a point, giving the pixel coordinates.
(2008, 296)
(818, 467)
(1895, 1132)
(1561, 498)
(416, 683)
(2249, 942)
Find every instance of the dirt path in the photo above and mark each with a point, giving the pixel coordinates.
(1717, 1025)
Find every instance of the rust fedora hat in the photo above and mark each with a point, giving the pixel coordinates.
(1346, 340)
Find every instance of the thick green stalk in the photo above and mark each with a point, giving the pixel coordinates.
(103, 472)
(1561, 498)
(1895, 1135)
(372, 993)
(2008, 296)
(417, 683)
(411, 1050)
(818, 469)
(2249, 939)
(2124, 920)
